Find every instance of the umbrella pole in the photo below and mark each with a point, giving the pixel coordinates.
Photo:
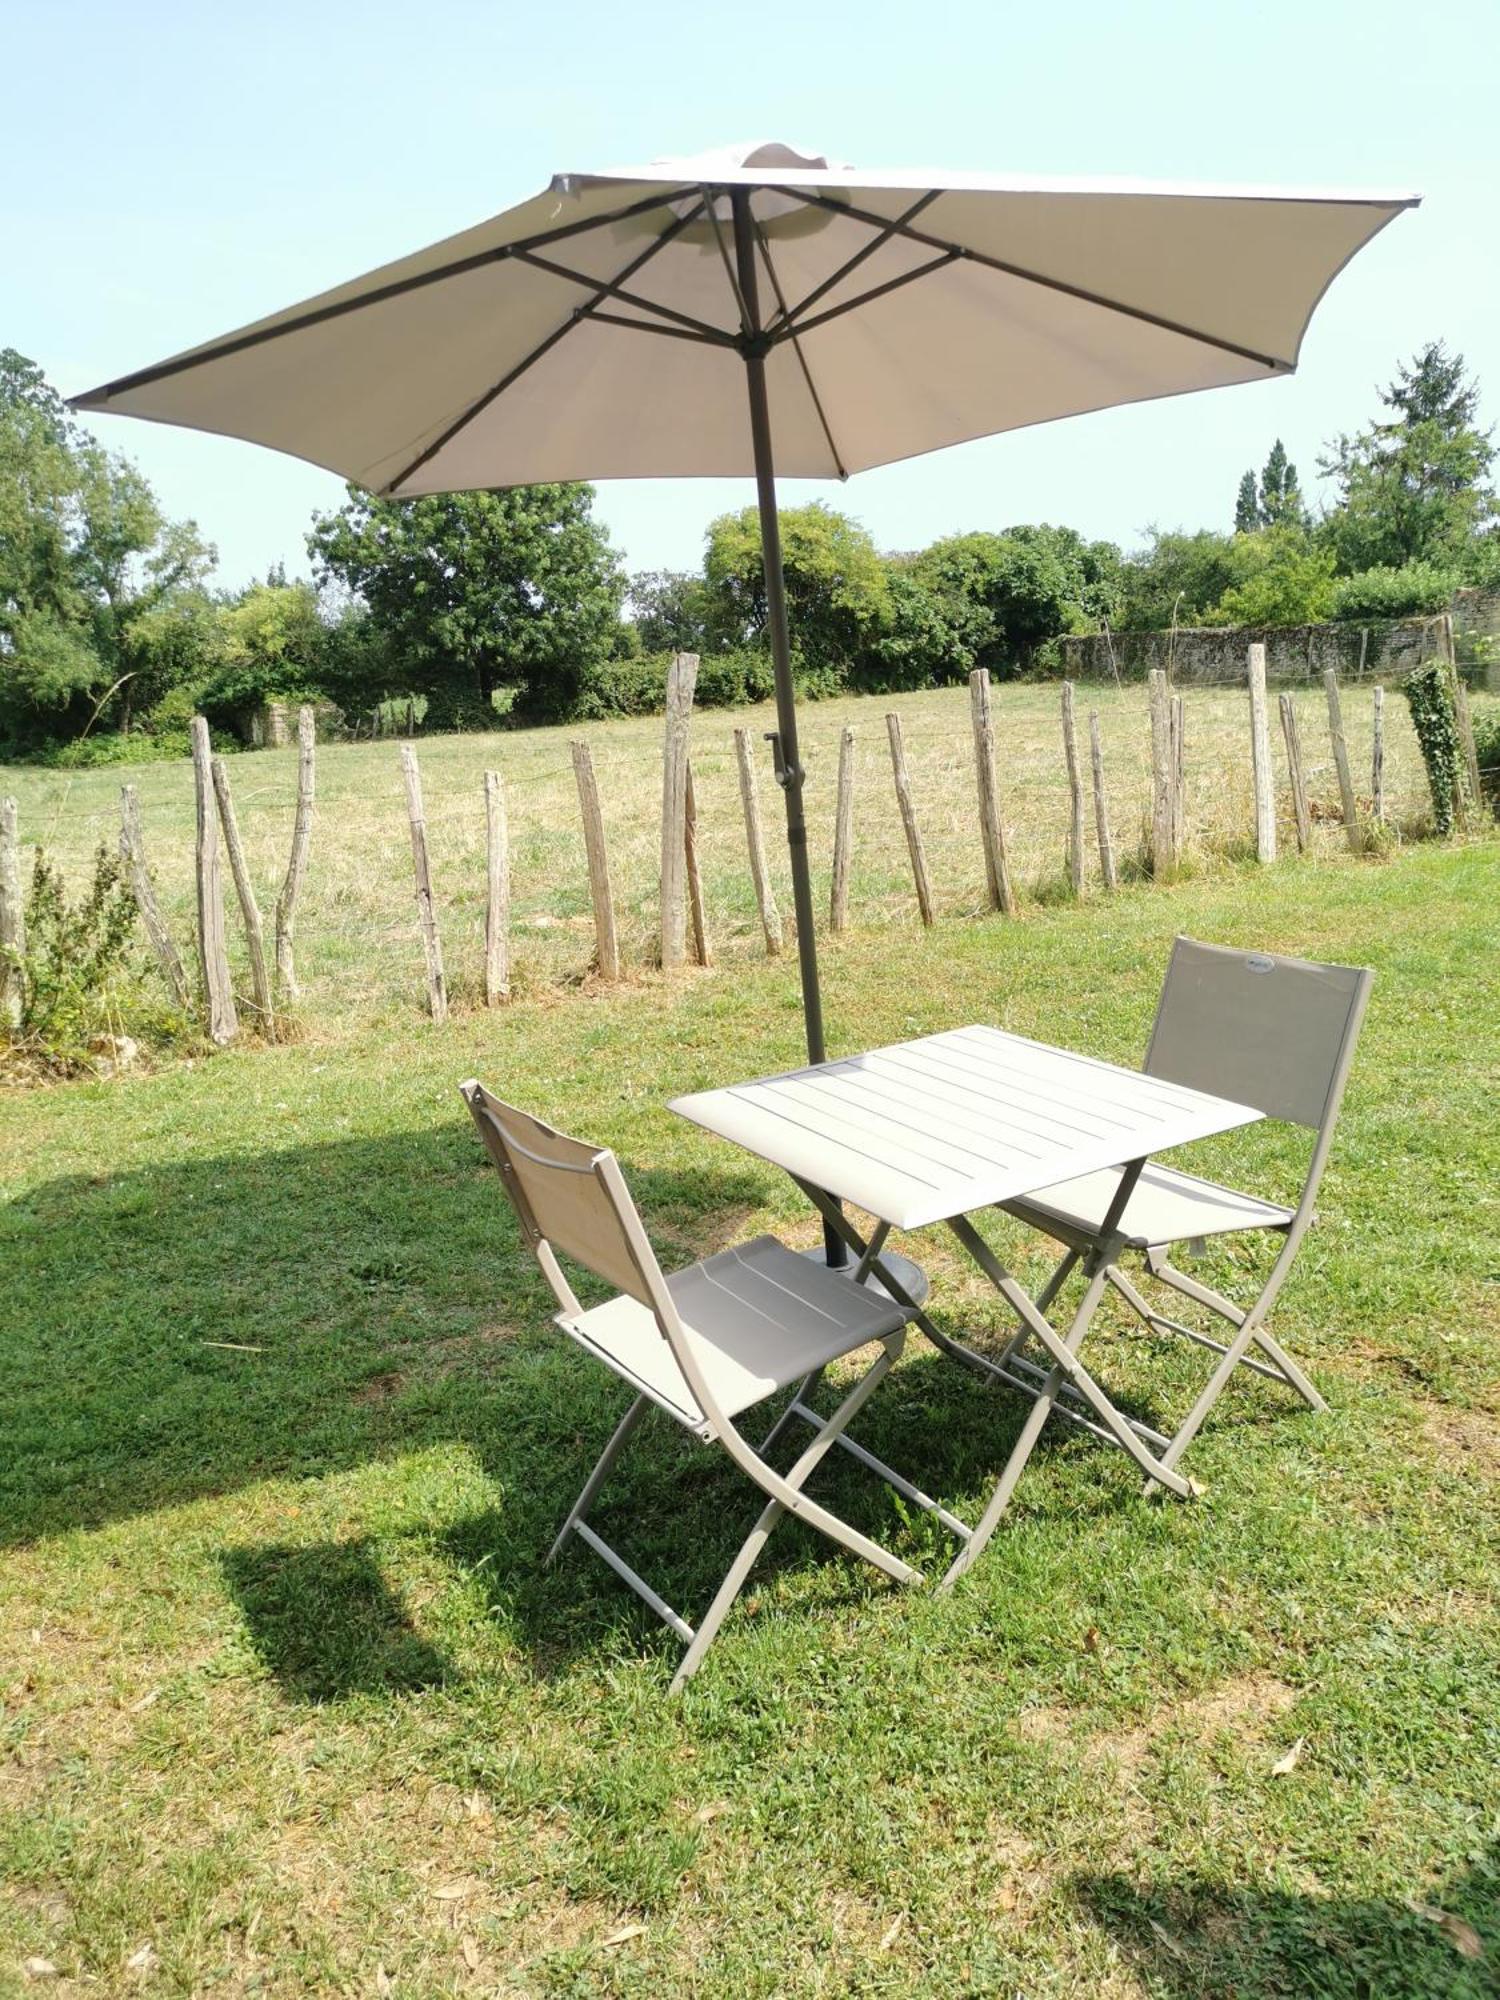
(789, 772)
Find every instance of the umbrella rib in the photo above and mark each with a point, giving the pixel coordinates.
(543, 347)
(950, 256)
(853, 263)
(812, 387)
(981, 257)
(615, 290)
(600, 317)
(238, 343)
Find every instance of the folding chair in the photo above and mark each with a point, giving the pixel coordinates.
(703, 1344)
(1274, 1033)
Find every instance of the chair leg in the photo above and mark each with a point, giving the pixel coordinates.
(1212, 1390)
(788, 1416)
(600, 1473)
(818, 1517)
(1281, 1362)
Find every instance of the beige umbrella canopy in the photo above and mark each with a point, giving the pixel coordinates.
(900, 311)
(759, 310)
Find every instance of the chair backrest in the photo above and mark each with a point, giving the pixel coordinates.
(1274, 1033)
(569, 1196)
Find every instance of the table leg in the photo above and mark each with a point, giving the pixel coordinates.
(871, 1262)
(1066, 1369)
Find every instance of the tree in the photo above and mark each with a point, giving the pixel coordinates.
(90, 568)
(1280, 495)
(271, 644)
(1092, 571)
(1276, 501)
(1247, 505)
(44, 656)
(470, 593)
(1178, 578)
(669, 609)
(1003, 595)
(1285, 577)
(917, 646)
(131, 563)
(1415, 486)
(838, 591)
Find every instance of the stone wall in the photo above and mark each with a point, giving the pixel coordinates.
(1214, 655)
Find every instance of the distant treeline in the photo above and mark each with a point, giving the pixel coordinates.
(513, 604)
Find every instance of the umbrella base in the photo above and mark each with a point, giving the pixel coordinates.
(910, 1276)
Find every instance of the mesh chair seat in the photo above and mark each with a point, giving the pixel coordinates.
(1165, 1207)
(757, 1318)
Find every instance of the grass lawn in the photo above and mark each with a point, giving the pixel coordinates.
(290, 1706)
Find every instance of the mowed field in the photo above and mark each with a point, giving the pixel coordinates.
(288, 1703)
(359, 951)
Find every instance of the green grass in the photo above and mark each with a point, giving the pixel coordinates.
(290, 1701)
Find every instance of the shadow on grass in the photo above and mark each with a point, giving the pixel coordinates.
(1196, 1940)
(192, 1329)
(326, 1623)
(186, 1330)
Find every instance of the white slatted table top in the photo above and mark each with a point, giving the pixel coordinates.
(929, 1129)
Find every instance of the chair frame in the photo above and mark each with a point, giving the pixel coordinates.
(1272, 1360)
(785, 1491)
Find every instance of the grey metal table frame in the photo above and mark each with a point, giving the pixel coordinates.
(936, 1129)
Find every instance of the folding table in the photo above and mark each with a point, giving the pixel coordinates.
(932, 1130)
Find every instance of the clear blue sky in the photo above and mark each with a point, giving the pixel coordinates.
(170, 171)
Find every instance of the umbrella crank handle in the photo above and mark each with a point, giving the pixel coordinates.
(786, 774)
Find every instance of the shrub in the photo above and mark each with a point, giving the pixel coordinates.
(79, 981)
(89, 753)
(734, 680)
(1429, 695)
(1373, 594)
(1286, 578)
(919, 646)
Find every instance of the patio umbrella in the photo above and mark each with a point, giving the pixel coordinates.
(757, 311)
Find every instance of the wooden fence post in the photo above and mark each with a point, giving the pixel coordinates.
(213, 956)
(12, 918)
(702, 949)
(843, 836)
(765, 898)
(296, 867)
(1341, 762)
(992, 828)
(1107, 868)
(1300, 813)
(607, 944)
(1260, 757)
(497, 892)
(133, 854)
(244, 888)
(681, 677)
(909, 819)
(432, 945)
(1377, 757)
(1075, 792)
(1179, 777)
(1163, 778)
